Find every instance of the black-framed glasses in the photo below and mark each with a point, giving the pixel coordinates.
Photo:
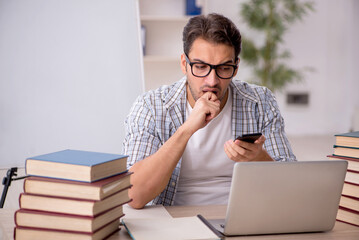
(202, 69)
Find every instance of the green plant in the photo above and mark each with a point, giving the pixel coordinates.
(271, 19)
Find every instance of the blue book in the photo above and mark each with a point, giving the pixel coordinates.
(76, 165)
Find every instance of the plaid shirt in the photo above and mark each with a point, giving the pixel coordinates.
(156, 115)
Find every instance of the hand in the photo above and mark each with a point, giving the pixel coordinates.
(205, 109)
(240, 151)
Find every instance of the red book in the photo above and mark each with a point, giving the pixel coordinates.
(74, 189)
(72, 205)
(351, 189)
(348, 216)
(349, 202)
(68, 222)
(352, 177)
(26, 233)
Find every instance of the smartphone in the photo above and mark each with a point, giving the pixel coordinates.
(251, 138)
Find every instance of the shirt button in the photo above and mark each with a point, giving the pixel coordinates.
(173, 184)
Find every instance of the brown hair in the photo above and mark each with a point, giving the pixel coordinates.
(213, 28)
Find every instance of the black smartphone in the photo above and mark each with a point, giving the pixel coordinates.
(251, 138)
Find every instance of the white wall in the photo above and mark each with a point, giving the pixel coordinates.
(69, 72)
(326, 40)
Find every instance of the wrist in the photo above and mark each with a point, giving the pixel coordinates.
(186, 131)
(264, 156)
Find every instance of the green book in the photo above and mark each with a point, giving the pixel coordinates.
(344, 151)
(350, 139)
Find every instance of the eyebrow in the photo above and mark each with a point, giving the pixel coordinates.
(199, 60)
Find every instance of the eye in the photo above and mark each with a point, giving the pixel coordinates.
(200, 66)
(225, 67)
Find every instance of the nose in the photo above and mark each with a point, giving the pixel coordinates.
(212, 79)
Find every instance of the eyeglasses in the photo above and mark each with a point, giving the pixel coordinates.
(201, 69)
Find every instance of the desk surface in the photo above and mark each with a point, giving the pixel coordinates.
(341, 231)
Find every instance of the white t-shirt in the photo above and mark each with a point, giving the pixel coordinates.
(206, 171)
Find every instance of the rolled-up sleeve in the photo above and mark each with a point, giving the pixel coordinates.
(141, 139)
(276, 144)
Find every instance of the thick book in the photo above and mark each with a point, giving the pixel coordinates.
(348, 216)
(349, 202)
(72, 205)
(68, 222)
(353, 163)
(25, 233)
(351, 189)
(346, 151)
(350, 139)
(352, 177)
(74, 189)
(76, 165)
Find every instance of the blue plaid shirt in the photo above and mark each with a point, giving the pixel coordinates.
(156, 115)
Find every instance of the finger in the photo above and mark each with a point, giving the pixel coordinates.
(245, 145)
(235, 151)
(212, 111)
(229, 153)
(260, 140)
(210, 96)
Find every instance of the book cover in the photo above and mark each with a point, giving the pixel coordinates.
(349, 134)
(76, 165)
(353, 163)
(69, 222)
(348, 216)
(28, 233)
(72, 205)
(74, 189)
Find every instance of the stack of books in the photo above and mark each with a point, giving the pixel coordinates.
(72, 194)
(347, 148)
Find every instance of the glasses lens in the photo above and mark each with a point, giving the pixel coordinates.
(225, 71)
(200, 69)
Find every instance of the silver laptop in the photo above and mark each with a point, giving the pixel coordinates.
(283, 197)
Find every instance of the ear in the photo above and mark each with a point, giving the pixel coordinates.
(237, 63)
(183, 64)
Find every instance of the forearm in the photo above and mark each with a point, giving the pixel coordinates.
(151, 175)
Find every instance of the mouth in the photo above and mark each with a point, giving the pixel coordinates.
(213, 90)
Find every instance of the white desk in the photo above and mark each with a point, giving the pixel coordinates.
(341, 231)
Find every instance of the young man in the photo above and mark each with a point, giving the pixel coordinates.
(179, 138)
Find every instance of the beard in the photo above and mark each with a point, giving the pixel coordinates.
(218, 92)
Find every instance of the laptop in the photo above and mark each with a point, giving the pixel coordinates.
(282, 197)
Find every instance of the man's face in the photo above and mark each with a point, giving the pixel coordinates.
(211, 53)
